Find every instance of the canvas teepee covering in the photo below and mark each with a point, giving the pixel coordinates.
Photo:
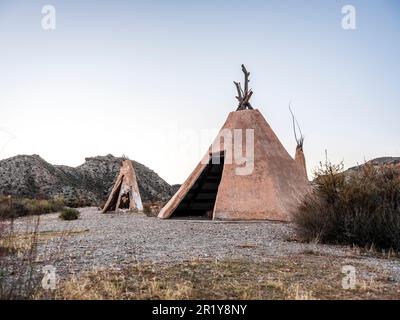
(125, 193)
(272, 191)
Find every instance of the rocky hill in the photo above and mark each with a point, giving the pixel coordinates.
(390, 161)
(89, 183)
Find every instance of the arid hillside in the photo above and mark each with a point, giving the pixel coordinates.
(33, 177)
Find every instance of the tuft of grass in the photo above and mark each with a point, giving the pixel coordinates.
(69, 214)
(147, 210)
(358, 208)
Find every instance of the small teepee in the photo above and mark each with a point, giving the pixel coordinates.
(125, 193)
(299, 157)
(225, 190)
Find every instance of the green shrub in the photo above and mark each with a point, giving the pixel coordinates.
(69, 214)
(361, 207)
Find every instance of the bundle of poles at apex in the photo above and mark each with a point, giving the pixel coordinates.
(244, 95)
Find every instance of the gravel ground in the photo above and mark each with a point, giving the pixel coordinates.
(103, 240)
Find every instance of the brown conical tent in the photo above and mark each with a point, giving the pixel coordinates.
(221, 189)
(299, 157)
(125, 193)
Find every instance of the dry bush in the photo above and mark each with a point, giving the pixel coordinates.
(151, 209)
(147, 210)
(69, 214)
(78, 202)
(360, 207)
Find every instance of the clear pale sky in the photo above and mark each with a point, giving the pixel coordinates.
(153, 79)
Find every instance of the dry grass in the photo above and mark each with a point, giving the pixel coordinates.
(292, 278)
(151, 209)
(21, 242)
(18, 257)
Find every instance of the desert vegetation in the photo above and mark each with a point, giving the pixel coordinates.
(358, 207)
(11, 207)
(151, 209)
(69, 214)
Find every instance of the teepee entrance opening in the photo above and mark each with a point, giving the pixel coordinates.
(199, 202)
(125, 199)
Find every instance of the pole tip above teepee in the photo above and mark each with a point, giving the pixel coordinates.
(299, 140)
(299, 157)
(243, 96)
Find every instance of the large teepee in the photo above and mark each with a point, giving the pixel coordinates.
(222, 189)
(125, 193)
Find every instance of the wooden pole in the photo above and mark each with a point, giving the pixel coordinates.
(244, 95)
